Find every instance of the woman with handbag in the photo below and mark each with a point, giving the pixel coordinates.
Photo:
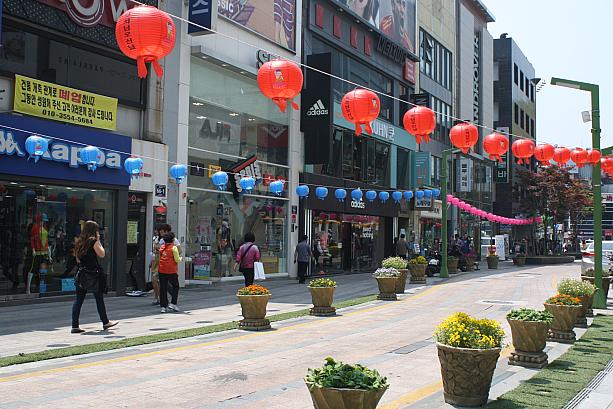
(246, 256)
(90, 276)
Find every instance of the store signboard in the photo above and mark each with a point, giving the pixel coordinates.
(273, 19)
(465, 180)
(435, 213)
(64, 104)
(420, 168)
(61, 161)
(203, 13)
(502, 166)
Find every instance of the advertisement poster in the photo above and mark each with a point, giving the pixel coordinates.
(274, 19)
(59, 103)
(500, 247)
(394, 18)
(202, 265)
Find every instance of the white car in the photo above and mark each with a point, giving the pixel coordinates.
(587, 259)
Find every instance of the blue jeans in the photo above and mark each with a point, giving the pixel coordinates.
(76, 307)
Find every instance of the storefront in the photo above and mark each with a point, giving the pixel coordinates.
(429, 223)
(232, 127)
(43, 205)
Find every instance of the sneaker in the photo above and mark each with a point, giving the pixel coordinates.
(155, 302)
(110, 324)
(174, 308)
(163, 310)
(77, 331)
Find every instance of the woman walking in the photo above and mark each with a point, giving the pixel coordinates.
(168, 273)
(90, 276)
(247, 254)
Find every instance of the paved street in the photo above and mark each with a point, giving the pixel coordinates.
(246, 370)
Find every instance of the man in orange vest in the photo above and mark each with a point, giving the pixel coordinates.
(168, 273)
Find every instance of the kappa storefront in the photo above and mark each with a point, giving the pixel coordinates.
(44, 203)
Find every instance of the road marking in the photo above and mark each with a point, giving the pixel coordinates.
(202, 344)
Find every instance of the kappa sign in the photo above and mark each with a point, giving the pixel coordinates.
(89, 13)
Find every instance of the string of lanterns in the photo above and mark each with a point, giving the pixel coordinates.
(454, 201)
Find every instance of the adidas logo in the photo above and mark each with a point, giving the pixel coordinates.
(317, 109)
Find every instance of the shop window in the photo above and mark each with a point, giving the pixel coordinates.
(39, 224)
(403, 169)
(382, 164)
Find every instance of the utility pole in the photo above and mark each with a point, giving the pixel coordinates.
(444, 270)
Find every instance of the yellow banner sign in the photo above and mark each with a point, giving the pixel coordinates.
(52, 101)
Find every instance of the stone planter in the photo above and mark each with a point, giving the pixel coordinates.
(492, 262)
(401, 283)
(254, 312)
(452, 265)
(564, 319)
(586, 304)
(470, 263)
(387, 288)
(467, 374)
(606, 283)
(340, 398)
(529, 340)
(418, 273)
(322, 298)
(519, 261)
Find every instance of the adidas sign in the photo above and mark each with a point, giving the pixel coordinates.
(317, 109)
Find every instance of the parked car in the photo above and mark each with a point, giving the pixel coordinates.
(587, 259)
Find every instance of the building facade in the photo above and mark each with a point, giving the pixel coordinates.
(514, 113)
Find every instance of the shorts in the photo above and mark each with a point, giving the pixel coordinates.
(155, 276)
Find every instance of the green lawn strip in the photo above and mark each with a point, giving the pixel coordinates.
(150, 339)
(559, 382)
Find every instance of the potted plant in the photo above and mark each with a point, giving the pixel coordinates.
(468, 350)
(386, 279)
(254, 300)
(322, 295)
(470, 261)
(417, 268)
(399, 264)
(584, 291)
(565, 310)
(519, 259)
(606, 280)
(337, 385)
(492, 258)
(529, 329)
(452, 264)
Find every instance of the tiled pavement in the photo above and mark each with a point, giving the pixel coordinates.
(251, 370)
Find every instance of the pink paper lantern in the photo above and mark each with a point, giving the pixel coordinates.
(449, 198)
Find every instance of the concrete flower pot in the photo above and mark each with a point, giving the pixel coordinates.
(467, 374)
(387, 288)
(470, 263)
(418, 273)
(519, 261)
(322, 298)
(564, 319)
(606, 283)
(586, 304)
(492, 262)
(401, 283)
(340, 398)
(529, 340)
(452, 264)
(254, 312)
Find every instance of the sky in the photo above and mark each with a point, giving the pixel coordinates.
(565, 39)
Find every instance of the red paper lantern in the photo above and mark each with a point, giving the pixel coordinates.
(593, 156)
(523, 150)
(281, 81)
(420, 121)
(464, 136)
(606, 164)
(544, 153)
(146, 34)
(496, 145)
(561, 156)
(579, 156)
(361, 107)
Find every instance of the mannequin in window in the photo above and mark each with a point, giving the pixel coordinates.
(39, 243)
(224, 246)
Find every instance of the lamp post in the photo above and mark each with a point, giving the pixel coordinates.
(444, 270)
(593, 89)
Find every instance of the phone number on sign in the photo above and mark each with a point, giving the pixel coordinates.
(67, 117)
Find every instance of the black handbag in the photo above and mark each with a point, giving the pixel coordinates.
(90, 280)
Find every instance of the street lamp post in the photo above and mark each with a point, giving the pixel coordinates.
(444, 270)
(599, 298)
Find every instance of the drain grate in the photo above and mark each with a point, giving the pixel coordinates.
(594, 383)
(501, 302)
(413, 347)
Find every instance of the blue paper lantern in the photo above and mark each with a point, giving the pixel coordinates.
(419, 194)
(90, 156)
(436, 193)
(220, 179)
(321, 192)
(340, 194)
(427, 193)
(371, 195)
(277, 187)
(408, 195)
(397, 196)
(384, 196)
(36, 146)
(302, 191)
(133, 166)
(247, 184)
(356, 194)
(178, 173)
